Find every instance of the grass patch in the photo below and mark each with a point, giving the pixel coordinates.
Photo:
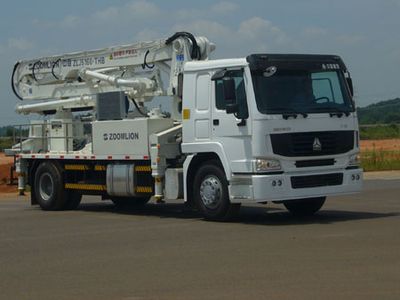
(379, 132)
(380, 160)
(5, 143)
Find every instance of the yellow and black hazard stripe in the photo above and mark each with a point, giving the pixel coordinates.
(76, 167)
(84, 167)
(86, 187)
(142, 169)
(144, 189)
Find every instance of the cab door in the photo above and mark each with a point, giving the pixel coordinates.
(233, 131)
(202, 107)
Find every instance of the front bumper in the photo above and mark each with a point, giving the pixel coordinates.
(278, 187)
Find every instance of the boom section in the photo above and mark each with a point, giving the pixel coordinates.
(134, 69)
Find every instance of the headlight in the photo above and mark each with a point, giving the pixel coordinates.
(262, 165)
(354, 160)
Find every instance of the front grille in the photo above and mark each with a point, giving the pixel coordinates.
(299, 182)
(312, 143)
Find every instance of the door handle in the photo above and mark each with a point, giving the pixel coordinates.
(216, 122)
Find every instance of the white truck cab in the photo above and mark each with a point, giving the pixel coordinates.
(283, 127)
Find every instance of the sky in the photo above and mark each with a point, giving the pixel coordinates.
(365, 33)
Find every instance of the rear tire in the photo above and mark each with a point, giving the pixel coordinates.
(130, 201)
(211, 193)
(49, 187)
(304, 207)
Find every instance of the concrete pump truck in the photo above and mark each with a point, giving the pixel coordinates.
(268, 127)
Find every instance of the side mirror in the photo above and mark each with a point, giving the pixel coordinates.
(232, 108)
(350, 84)
(230, 95)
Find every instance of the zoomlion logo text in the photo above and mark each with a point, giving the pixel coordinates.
(124, 136)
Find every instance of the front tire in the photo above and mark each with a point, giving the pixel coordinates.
(304, 207)
(211, 193)
(49, 187)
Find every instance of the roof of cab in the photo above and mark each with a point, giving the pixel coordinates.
(215, 64)
(262, 61)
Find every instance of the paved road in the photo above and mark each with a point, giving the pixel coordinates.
(351, 250)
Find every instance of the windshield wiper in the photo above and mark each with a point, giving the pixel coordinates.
(288, 112)
(337, 112)
(294, 115)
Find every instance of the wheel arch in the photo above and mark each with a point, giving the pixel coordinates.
(190, 167)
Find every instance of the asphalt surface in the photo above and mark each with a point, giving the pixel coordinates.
(350, 250)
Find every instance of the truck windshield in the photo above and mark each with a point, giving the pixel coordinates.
(288, 91)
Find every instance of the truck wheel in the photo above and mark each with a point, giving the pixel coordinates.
(211, 193)
(304, 207)
(130, 201)
(73, 201)
(49, 188)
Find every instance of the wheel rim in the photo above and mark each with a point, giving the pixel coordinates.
(211, 192)
(46, 186)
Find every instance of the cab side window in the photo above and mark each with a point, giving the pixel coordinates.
(241, 99)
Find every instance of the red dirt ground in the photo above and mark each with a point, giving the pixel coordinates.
(387, 145)
(5, 165)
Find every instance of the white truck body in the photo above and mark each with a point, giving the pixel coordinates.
(219, 151)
